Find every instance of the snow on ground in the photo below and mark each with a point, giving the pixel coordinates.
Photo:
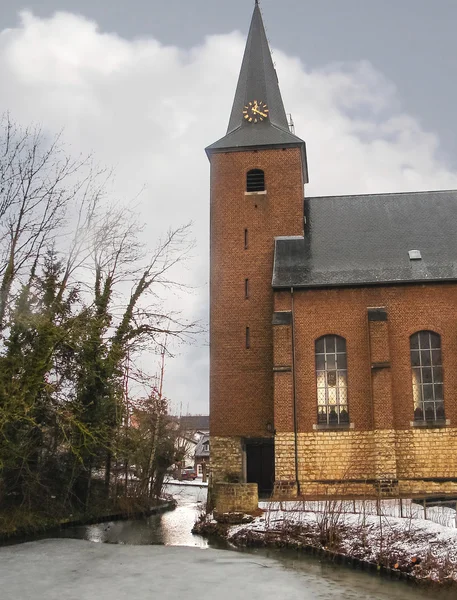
(390, 508)
(355, 529)
(442, 515)
(198, 482)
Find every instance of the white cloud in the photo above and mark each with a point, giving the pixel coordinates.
(149, 110)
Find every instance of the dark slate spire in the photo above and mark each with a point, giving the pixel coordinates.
(258, 81)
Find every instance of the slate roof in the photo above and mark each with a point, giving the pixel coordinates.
(194, 422)
(258, 81)
(199, 451)
(365, 240)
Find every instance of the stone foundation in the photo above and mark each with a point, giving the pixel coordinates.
(235, 497)
(351, 463)
(384, 463)
(226, 462)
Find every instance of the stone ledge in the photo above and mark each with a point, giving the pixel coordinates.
(333, 427)
(438, 424)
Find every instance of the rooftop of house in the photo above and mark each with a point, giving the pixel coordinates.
(194, 422)
(369, 239)
(202, 448)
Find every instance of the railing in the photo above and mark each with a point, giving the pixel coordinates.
(438, 512)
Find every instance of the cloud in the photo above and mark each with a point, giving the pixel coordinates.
(149, 110)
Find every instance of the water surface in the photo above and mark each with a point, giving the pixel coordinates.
(172, 528)
(188, 567)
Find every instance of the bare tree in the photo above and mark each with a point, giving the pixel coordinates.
(38, 183)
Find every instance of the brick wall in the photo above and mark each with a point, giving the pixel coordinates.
(344, 312)
(381, 443)
(241, 380)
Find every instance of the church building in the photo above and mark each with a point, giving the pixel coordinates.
(333, 361)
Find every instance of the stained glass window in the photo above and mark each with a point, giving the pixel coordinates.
(331, 377)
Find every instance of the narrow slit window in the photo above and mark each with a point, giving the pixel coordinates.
(246, 288)
(248, 338)
(246, 239)
(255, 181)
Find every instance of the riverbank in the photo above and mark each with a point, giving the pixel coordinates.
(408, 548)
(23, 527)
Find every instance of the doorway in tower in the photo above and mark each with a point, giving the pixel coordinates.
(260, 464)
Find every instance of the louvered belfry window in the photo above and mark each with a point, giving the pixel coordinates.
(427, 374)
(255, 181)
(331, 377)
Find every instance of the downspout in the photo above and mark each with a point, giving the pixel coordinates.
(294, 392)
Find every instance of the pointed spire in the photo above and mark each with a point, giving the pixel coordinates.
(258, 79)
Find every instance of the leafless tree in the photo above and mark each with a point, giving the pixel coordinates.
(39, 184)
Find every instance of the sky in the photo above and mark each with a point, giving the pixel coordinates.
(146, 86)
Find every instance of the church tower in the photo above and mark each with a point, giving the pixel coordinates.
(258, 172)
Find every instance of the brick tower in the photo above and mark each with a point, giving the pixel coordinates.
(258, 172)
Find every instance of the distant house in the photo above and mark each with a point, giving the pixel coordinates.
(195, 423)
(192, 428)
(202, 454)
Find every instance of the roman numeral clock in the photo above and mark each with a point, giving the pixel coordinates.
(255, 112)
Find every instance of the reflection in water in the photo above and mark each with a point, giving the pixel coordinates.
(172, 528)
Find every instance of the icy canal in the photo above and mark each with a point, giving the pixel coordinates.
(142, 560)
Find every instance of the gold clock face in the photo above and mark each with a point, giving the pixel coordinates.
(255, 111)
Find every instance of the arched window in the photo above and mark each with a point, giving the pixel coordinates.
(331, 376)
(255, 181)
(427, 373)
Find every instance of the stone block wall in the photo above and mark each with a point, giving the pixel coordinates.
(427, 460)
(328, 462)
(226, 458)
(235, 497)
(285, 490)
(348, 463)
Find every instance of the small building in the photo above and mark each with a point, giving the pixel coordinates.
(191, 429)
(202, 456)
